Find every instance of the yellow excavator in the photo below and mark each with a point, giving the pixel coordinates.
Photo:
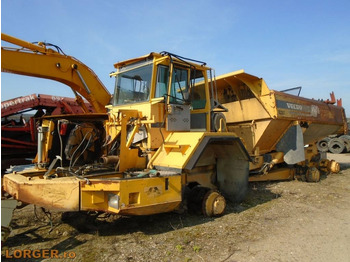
(41, 60)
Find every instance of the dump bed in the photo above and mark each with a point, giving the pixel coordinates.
(262, 116)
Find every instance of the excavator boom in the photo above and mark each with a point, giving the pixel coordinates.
(37, 60)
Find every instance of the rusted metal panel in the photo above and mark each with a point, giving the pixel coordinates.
(59, 194)
(304, 109)
(316, 132)
(274, 175)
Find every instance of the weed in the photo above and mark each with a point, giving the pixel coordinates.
(180, 248)
(196, 249)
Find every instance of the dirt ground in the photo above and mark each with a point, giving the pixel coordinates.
(278, 221)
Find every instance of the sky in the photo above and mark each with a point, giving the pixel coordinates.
(288, 43)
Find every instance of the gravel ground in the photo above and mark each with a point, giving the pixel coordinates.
(279, 221)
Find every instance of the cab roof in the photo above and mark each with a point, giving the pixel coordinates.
(155, 55)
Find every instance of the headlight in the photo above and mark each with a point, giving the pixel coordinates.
(113, 201)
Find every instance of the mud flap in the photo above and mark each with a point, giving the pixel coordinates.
(232, 165)
(232, 178)
(292, 145)
(232, 172)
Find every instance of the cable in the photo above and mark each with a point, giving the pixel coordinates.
(82, 152)
(72, 156)
(59, 50)
(183, 59)
(61, 143)
(47, 214)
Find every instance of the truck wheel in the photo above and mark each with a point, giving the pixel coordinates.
(195, 198)
(333, 167)
(313, 175)
(213, 204)
(203, 200)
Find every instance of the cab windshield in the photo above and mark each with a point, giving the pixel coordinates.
(133, 85)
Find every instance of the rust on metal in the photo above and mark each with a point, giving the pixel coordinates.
(47, 193)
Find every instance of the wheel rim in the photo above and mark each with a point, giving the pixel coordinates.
(214, 204)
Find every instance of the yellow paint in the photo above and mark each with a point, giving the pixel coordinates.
(135, 195)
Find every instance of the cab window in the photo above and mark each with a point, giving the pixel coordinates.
(198, 96)
(179, 86)
(162, 81)
(133, 86)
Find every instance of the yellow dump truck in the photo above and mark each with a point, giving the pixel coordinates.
(278, 128)
(153, 152)
(173, 137)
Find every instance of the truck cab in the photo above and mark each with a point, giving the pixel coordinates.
(172, 91)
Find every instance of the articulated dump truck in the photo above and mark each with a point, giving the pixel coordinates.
(279, 130)
(152, 152)
(172, 138)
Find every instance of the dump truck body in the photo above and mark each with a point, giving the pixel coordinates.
(270, 121)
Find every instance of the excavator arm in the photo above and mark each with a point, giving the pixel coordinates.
(37, 60)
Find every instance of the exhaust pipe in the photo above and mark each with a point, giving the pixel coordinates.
(109, 159)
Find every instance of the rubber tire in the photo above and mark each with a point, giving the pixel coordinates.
(346, 140)
(195, 198)
(336, 146)
(322, 145)
(216, 121)
(313, 175)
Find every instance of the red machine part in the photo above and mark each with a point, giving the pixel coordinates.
(56, 104)
(18, 137)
